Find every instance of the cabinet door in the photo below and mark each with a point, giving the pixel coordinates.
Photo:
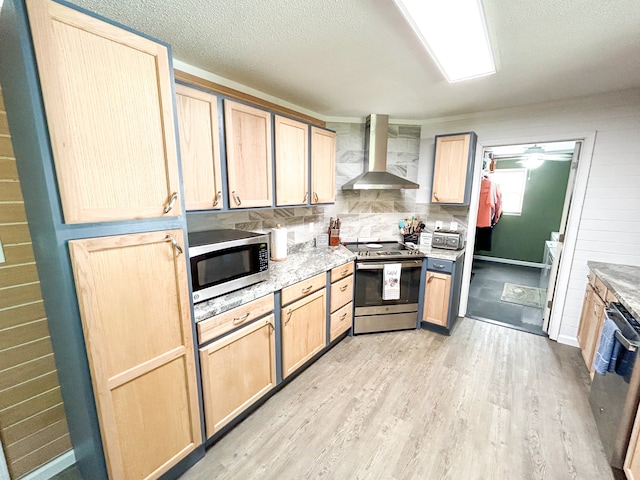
(134, 303)
(591, 320)
(632, 460)
(109, 107)
(436, 298)
(585, 323)
(323, 166)
(304, 331)
(236, 371)
(249, 159)
(452, 157)
(199, 148)
(292, 162)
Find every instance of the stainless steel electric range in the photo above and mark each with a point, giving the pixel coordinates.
(372, 313)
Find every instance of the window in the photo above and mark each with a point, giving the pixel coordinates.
(512, 182)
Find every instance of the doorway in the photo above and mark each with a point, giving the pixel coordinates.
(525, 194)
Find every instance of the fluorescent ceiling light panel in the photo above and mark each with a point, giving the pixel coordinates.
(455, 34)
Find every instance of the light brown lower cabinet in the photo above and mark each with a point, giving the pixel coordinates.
(236, 371)
(632, 460)
(304, 330)
(591, 322)
(436, 298)
(134, 304)
(341, 321)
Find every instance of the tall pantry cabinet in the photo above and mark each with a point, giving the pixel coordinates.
(91, 106)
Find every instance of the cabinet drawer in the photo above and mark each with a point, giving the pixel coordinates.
(227, 321)
(342, 271)
(610, 297)
(341, 293)
(435, 264)
(600, 288)
(303, 288)
(341, 321)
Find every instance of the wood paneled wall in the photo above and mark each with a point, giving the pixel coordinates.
(33, 426)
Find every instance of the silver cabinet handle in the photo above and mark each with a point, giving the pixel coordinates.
(435, 195)
(343, 288)
(306, 196)
(288, 316)
(239, 320)
(271, 327)
(176, 245)
(306, 290)
(236, 198)
(343, 316)
(438, 265)
(315, 197)
(172, 201)
(217, 198)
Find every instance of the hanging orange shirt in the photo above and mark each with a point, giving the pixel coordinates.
(486, 207)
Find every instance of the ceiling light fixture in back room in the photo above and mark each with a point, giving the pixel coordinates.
(375, 176)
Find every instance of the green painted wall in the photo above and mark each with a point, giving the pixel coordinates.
(522, 237)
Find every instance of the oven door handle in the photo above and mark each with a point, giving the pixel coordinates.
(627, 345)
(380, 266)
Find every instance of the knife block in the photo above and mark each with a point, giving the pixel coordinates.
(334, 237)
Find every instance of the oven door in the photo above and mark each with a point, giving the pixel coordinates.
(369, 283)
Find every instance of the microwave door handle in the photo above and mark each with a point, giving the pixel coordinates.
(625, 342)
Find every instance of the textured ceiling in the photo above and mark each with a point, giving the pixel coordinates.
(349, 58)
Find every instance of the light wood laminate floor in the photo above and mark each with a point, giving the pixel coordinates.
(486, 403)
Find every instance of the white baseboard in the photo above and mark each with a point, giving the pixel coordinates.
(568, 340)
(509, 261)
(52, 468)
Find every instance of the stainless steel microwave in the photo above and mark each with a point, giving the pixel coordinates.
(226, 260)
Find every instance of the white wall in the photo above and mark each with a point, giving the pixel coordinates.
(608, 226)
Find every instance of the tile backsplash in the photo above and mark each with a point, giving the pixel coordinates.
(364, 213)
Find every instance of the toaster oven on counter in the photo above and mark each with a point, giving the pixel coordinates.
(451, 240)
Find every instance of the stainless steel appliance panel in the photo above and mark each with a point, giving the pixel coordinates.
(385, 323)
(614, 396)
(369, 282)
(226, 260)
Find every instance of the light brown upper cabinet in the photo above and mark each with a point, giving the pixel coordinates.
(453, 168)
(199, 148)
(249, 160)
(109, 106)
(134, 304)
(323, 166)
(292, 160)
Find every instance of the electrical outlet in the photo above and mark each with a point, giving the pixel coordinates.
(2, 259)
(438, 225)
(311, 229)
(454, 226)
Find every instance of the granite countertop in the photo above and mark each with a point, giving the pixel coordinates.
(622, 281)
(303, 261)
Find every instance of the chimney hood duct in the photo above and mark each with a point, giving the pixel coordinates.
(375, 176)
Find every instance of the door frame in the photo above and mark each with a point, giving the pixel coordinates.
(573, 222)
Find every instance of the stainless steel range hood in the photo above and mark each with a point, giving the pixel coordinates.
(376, 176)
